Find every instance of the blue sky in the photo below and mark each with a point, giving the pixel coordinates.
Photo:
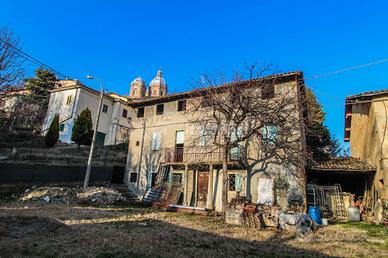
(119, 40)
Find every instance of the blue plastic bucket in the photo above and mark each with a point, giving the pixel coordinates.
(315, 214)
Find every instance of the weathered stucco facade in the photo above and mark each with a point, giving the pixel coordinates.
(366, 120)
(160, 127)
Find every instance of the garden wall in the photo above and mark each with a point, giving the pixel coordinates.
(30, 173)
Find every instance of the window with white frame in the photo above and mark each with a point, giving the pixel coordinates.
(156, 141)
(204, 136)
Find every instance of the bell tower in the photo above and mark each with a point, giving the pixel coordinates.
(137, 89)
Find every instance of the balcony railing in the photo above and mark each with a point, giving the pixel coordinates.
(198, 154)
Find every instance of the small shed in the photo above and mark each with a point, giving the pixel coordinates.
(352, 174)
(336, 183)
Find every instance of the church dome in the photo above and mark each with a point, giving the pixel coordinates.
(138, 88)
(138, 81)
(158, 80)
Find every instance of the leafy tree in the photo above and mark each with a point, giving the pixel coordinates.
(320, 143)
(52, 135)
(82, 132)
(40, 86)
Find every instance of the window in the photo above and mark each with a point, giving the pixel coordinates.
(269, 133)
(160, 109)
(236, 152)
(267, 91)
(181, 105)
(133, 177)
(205, 102)
(137, 143)
(61, 127)
(104, 108)
(232, 182)
(161, 93)
(68, 100)
(155, 141)
(176, 177)
(125, 113)
(180, 137)
(134, 92)
(205, 136)
(100, 138)
(140, 112)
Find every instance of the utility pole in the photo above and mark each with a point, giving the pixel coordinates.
(141, 152)
(92, 147)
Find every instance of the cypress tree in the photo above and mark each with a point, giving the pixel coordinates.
(52, 134)
(320, 143)
(82, 132)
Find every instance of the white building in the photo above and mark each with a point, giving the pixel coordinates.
(72, 97)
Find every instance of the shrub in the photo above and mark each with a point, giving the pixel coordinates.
(52, 135)
(82, 130)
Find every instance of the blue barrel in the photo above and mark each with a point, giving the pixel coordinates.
(315, 214)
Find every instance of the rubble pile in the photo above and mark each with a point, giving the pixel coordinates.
(49, 195)
(67, 195)
(100, 196)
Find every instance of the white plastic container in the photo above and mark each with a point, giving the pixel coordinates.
(354, 214)
(325, 222)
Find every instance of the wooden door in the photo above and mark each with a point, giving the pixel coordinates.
(203, 182)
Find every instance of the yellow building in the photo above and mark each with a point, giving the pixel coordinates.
(163, 142)
(366, 120)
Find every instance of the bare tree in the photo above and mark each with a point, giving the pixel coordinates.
(11, 63)
(256, 122)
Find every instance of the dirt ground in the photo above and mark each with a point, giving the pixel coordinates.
(60, 230)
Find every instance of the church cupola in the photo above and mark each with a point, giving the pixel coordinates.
(158, 86)
(138, 88)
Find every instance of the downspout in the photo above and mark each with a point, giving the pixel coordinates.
(141, 153)
(300, 91)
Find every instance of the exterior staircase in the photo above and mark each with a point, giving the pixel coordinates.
(126, 192)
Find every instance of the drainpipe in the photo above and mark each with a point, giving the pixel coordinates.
(141, 153)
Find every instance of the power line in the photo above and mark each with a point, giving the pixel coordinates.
(342, 71)
(32, 59)
(348, 69)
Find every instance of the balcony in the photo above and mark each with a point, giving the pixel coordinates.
(198, 155)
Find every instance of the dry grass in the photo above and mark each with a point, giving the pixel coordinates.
(48, 230)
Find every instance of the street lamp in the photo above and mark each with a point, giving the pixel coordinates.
(92, 147)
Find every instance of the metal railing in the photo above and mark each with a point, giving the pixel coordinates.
(197, 154)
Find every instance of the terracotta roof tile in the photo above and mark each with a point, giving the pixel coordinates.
(367, 94)
(345, 164)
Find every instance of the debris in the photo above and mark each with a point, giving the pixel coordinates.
(296, 222)
(67, 195)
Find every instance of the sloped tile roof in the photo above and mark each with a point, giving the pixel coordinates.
(367, 94)
(345, 164)
(151, 100)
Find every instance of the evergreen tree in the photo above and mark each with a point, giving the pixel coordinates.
(82, 130)
(320, 143)
(40, 86)
(52, 135)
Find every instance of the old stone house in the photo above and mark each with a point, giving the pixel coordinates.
(366, 120)
(163, 140)
(164, 145)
